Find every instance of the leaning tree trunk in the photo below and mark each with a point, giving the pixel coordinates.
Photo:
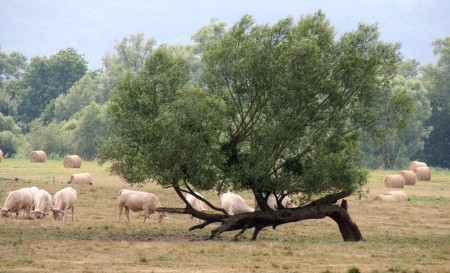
(260, 219)
(319, 209)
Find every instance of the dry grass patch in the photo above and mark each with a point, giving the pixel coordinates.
(400, 237)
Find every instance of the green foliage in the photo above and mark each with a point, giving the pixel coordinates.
(11, 65)
(273, 94)
(7, 124)
(46, 78)
(208, 34)
(295, 93)
(11, 70)
(52, 138)
(436, 79)
(403, 131)
(88, 89)
(9, 135)
(130, 55)
(91, 131)
(136, 105)
(8, 142)
(353, 269)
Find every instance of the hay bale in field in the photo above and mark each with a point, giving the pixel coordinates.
(72, 161)
(38, 156)
(394, 196)
(410, 177)
(415, 164)
(394, 181)
(81, 179)
(1, 155)
(423, 173)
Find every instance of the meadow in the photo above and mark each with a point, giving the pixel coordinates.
(410, 236)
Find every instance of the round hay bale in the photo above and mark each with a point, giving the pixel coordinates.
(423, 173)
(1, 155)
(383, 197)
(38, 156)
(394, 181)
(72, 161)
(81, 179)
(415, 164)
(410, 177)
(393, 196)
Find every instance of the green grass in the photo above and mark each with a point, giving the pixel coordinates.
(399, 237)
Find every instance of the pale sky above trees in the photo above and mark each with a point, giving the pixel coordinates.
(93, 26)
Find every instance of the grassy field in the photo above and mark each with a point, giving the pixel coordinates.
(400, 237)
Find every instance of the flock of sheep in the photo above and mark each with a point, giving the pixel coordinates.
(40, 203)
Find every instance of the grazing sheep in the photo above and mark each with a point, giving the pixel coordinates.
(137, 201)
(196, 204)
(42, 203)
(63, 200)
(234, 204)
(16, 201)
(272, 202)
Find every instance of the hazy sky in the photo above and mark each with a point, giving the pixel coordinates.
(44, 27)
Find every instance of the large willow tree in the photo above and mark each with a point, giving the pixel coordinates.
(279, 111)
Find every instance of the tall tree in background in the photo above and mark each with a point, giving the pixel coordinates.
(205, 35)
(397, 145)
(11, 65)
(436, 79)
(11, 70)
(91, 132)
(46, 78)
(280, 114)
(130, 55)
(88, 89)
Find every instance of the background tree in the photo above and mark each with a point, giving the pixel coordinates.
(90, 132)
(282, 110)
(47, 78)
(54, 138)
(9, 135)
(398, 145)
(11, 70)
(130, 55)
(11, 65)
(88, 89)
(202, 38)
(436, 80)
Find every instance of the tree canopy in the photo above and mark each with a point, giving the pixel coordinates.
(279, 111)
(46, 78)
(436, 79)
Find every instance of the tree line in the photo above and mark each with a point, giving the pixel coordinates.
(56, 104)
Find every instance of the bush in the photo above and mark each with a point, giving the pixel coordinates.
(353, 269)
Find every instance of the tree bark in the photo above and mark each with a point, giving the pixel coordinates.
(261, 219)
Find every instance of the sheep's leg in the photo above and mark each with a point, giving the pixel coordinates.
(127, 214)
(64, 214)
(146, 214)
(120, 213)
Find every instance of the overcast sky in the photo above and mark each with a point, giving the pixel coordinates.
(44, 27)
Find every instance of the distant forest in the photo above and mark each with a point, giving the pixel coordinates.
(56, 104)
